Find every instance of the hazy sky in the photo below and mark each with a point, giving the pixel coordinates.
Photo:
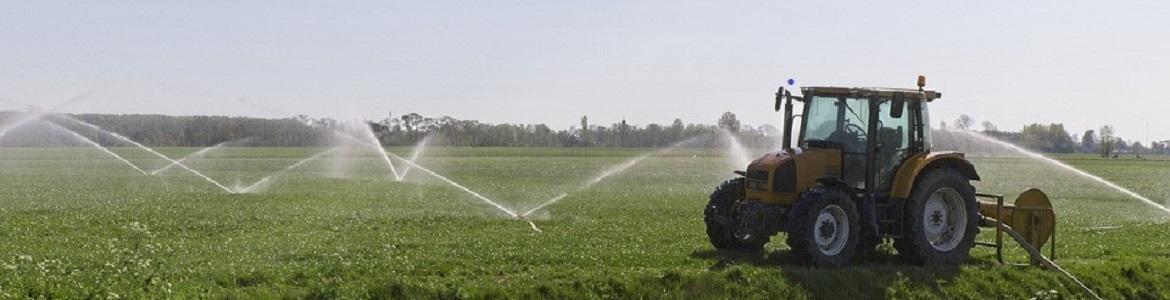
(1083, 63)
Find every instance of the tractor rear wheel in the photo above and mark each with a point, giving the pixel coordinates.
(720, 217)
(941, 219)
(824, 228)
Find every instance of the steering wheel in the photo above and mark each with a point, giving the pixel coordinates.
(855, 130)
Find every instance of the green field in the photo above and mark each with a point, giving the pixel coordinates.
(75, 223)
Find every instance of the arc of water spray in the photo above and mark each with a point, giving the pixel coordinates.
(373, 142)
(418, 149)
(609, 172)
(249, 188)
(739, 153)
(189, 156)
(148, 149)
(33, 116)
(20, 122)
(96, 145)
(457, 185)
(606, 174)
(1070, 168)
(547, 203)
(411, 163)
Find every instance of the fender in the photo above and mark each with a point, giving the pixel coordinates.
(908, 172)
(836, 183)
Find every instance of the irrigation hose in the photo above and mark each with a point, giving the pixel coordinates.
(1037, 256)
(534, 227)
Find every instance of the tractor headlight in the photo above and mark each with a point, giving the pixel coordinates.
(757, 180)
(757, 185)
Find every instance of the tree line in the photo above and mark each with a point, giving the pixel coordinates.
(160, 130)
(409, 129)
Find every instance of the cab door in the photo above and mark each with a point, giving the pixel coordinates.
(893, 143)
(843, 122)
(854, 119)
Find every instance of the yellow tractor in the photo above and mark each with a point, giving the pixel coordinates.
(863, 172)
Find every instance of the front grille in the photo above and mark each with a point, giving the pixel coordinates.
(757, 175)
(785, 179)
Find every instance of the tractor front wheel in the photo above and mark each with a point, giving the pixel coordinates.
(941, 219)
(721, 218)
(824, 228)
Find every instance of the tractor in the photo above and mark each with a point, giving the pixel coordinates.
(862, 173)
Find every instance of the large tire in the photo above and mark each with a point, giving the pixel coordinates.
(816, 233)
(941, 219)
(720, 218)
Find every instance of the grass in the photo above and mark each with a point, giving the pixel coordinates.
(76, 224)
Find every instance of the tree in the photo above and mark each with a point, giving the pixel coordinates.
(1105, 136)
(304, 119)
(1120, 146)
(411, 123)
(585, 129)
(964, 122)
(1089, 141)
(1137, 148)
(623, 130)
(768, 130)
(989, 127)
(728, 122)
(676, 129)
(653, 135)
(1062, 141)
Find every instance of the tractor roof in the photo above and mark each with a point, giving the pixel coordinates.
(910, 94)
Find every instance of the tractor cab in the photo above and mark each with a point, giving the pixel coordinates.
(873, 129)
(855, 139)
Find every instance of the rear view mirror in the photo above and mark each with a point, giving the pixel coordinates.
(897, 105)
(779, 97)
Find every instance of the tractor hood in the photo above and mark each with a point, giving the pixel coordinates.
(778, 176)
(774, 158)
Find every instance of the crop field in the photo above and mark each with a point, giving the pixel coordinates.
(75, 223)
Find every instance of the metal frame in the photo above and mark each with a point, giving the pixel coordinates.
(998, 245)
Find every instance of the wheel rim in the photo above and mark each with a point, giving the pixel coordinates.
(944, 219)
(831, 230)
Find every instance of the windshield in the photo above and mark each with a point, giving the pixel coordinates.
(834, 119)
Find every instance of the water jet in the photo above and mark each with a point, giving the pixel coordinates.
(147, 149)
(251, 188)
(1067, 167)
(199, 153)
(96, 145)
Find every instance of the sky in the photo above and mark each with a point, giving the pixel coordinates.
(1081, 63)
